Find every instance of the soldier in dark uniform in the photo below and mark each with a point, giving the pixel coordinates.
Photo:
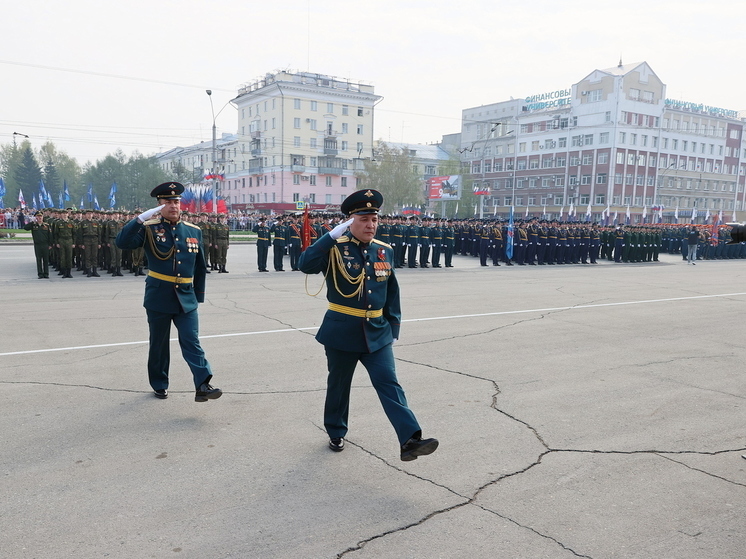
(280, 231)
(173, 289)
(362, 322)
(262, 244)
(436, 231)
(619, 239)
(594, 243)
(449, 243)
(397, 242)
(425, 241)
(412, 238)
(41, 233)
(294, 243)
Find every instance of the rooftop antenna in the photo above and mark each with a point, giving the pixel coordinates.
(620, 61)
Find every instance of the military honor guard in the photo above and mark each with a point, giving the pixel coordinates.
(362, 322)
(174, 287)
(262, 244)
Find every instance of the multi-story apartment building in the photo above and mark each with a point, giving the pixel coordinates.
(613, 140)
(301, 137)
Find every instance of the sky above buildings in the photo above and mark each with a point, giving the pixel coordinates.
(94, 76)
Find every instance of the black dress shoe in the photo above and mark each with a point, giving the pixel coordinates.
(206, 392)
(417, 447)
(161, 394)
(337, 445)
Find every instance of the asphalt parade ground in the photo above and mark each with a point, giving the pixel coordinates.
(582, 410)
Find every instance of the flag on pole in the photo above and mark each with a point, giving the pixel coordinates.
(526, 211)
(509, 240)
(694, 214)
(113, 190)
(112, 201)
(33, 202)
(305, 235)
(588, 212)
(66, 191)
(571, 211)
(2, 187)
(676, 214)
(544, 213)
(95, 203)
(627, 216)
(90, 193)
(707, 215)
(733, 217)
(456, 212)
(715, 230)
(562, 211)
(82, 203)
(644, 214)
(61, 203)
(20, 198)
(616, 217)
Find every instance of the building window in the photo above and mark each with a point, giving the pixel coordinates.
(343, 181)
(622, 137)
(312, 180)
(314, 105)
(603, 157)
(330, 108)
(601, 178)
(314, 143)
(593, 96)
(296, 123)
(296, 197)
(296, 141)
(587, 158)
(296, 103)
(600, 199)
(562, 142)
(328, 181)
(296, 179)
(313, 123)
(588, 140)
(359, 128)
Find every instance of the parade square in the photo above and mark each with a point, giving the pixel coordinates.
(582, 411)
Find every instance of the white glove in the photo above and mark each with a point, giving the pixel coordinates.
(336, 233)
(394, 341)
(144, 216)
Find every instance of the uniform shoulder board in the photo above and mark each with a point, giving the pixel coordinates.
(153, 221)
(376, 241)
(343, 239)
(190, 224)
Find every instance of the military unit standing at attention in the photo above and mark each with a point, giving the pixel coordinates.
(83, 241)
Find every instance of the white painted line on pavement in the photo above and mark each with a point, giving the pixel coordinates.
(452, 317)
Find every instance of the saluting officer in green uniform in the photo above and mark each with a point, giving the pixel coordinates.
(41, 233)
(174, 287)
(362, 322)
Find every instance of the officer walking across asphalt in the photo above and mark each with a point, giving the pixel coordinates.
(362, 322)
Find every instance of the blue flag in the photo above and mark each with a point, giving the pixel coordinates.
(82, 203)
(95, 203)
(62, 204)
(2, 187)
(113, 190)
(509, 240)
(112, 201)
(67, 192)
(33, 201)
(90, 193)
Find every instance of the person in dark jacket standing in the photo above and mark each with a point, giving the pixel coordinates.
(41, 233)
(262, 244)
(173, 289)
(362, 322)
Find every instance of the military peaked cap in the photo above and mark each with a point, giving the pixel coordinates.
(362, 202)
(168, 191)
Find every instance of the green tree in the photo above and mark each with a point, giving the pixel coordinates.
(392, 174)
(28, 174)
(67, 170)
(10, 159)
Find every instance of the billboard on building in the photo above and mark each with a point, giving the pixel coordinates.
(444, 188)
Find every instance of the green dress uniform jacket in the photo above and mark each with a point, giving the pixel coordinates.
(176, 263)
(364, 308)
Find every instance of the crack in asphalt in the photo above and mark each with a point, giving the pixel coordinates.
(549, 450)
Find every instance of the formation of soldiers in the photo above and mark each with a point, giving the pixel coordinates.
(83, 241)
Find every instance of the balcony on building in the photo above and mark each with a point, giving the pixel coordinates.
(256, 134)
(330, 146)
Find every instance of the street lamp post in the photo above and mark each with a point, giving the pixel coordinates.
(14, 138)
(214, 155)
